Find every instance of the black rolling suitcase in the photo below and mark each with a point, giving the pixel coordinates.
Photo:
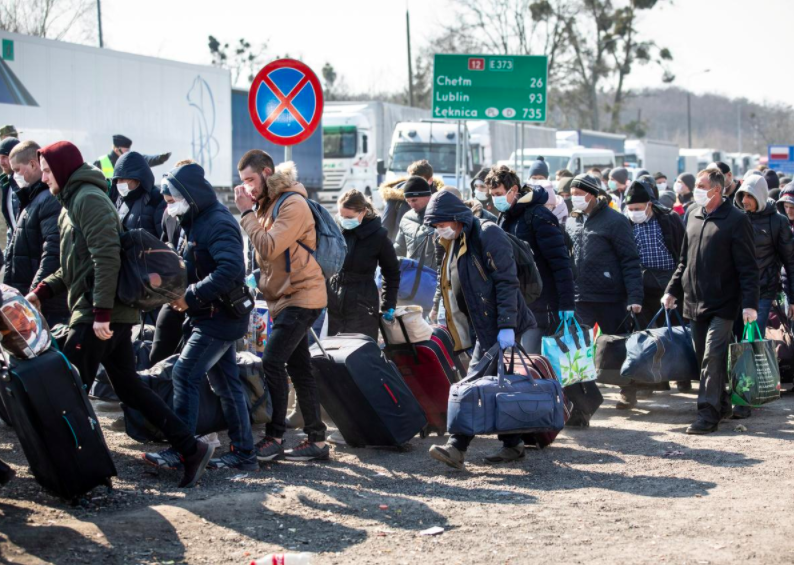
(56, 424)
(364, 393)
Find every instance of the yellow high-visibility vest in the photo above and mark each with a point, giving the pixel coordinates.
(107, 166)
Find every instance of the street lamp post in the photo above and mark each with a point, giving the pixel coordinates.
(689, 106)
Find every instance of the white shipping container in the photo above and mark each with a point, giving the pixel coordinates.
(86, 95)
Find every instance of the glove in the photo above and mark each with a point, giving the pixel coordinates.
(389, 315)
(668, 301)
(506, 338)
(749, 315)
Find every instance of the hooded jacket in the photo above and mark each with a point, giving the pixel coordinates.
(304, 286)
(143, 207)
(606, 262)
(490, 293)
(774, 244)
(213, 254)
(34, 250)
(90, 246)
(415, 239)
(529, 220)
(717, 274)
(353, 299)
(395, 206)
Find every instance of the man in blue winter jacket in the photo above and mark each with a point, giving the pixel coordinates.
(213, 253)
(482, 300)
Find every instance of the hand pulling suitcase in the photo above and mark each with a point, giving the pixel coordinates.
(56, 424)
(428, 368)
(364, 393)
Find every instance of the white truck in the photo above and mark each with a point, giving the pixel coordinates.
(435, 141)
(575, 159)
(53, 90)
(356, 137)
(493, 141)
(652, 155)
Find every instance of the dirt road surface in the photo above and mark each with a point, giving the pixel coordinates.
(631, 489)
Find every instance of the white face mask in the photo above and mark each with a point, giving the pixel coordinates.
(661, 187)
(678, 187)
(123, 188)
(638, 217)
(579, 203)
(701, 197)
(177, 208)
(446, 233)
(20, 180)
(481, 196)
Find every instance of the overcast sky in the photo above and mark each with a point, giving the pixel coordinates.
(744, 43)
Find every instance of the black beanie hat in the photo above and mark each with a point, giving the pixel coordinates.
(416, 186)
(122, 141)
(772, 180)
(640, 191)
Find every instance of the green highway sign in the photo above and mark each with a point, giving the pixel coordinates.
(490, 87)
(8, 50)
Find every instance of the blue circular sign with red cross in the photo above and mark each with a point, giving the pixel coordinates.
(286, 102)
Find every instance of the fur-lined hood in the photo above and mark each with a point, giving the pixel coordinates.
(284, 179)
(394, 190)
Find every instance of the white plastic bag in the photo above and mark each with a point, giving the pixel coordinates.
(416, 326)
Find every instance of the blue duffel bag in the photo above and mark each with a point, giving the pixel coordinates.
(658, 355)
(491, 401)
(417, 284)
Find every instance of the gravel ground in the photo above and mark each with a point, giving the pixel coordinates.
(631, 489)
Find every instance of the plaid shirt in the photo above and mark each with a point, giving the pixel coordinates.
(650, 244)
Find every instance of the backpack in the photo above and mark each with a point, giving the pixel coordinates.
(331, 247)
(529, 280)
(151, 273)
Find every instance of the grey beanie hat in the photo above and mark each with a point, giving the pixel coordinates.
(688, 179)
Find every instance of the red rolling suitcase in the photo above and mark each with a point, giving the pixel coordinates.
(428, 368)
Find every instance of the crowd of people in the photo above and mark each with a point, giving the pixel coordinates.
(608, 249)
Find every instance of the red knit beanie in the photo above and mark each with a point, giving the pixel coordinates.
(64, 159)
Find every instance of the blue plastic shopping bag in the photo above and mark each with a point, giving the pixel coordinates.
(571, 352)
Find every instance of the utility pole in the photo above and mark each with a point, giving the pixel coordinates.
(689, 116)
(99, 21)
(739, 120)
(410, 64)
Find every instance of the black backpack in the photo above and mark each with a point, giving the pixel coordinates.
(528, 274)
(151, 273)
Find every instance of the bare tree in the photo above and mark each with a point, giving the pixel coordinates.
(243, 59)
(53, 19)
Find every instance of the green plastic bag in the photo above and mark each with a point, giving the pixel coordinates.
(753, 369)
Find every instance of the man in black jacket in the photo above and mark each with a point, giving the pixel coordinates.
(34, 250)
(139, 203)
(607, 269)
(717, 276)
(525, 216)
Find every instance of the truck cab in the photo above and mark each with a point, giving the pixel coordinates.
(349, 158)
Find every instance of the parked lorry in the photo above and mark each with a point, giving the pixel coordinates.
(435, 141)
(53, 90)
(593, 140)
(356, 138)
(493, 141)
(652, 155)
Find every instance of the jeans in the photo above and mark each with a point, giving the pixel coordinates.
(86, 351)
(209, 357)
(711, 338)
(287, 357)
(461, 442)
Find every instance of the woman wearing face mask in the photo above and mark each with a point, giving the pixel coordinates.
(683, 187)
(353, 301)
(659, 234)
(480, 192)
(138, 203)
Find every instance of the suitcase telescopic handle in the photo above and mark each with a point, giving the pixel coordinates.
(320, 345)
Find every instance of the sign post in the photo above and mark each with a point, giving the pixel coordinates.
(285, 103)
(490, 87)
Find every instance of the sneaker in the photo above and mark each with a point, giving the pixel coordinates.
(701, 427)
(448, 454)
(211, 439)
(507, 454)
(244, 461)
(268, 449)
(741, 412)
(336, 438)
(196, 464)
(308, 451)
(627, 399)
(165, 459)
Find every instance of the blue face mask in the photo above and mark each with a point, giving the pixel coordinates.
(349, 223)
(501, 203)
(612, 185)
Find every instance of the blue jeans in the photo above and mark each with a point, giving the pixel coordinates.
(764, 307)
(201, 354)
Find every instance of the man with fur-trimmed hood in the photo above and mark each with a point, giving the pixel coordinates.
(394, 197)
